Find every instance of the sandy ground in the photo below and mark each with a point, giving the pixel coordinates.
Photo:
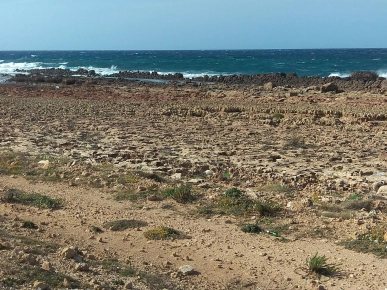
(324, 148)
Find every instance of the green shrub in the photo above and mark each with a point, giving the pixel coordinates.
(180, 194)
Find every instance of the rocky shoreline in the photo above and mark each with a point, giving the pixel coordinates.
(357, 81)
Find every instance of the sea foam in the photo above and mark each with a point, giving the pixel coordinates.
(11, 67)
(338, 74)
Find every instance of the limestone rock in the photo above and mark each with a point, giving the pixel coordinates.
(47, 266)
(187, 270)
(382, 190)
(68, 253)
(40, 286)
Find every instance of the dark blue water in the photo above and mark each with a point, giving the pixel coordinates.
(308, 62)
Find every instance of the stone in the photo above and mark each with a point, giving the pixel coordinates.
(47, 266)
(176, 176)
(68, 253)
(269, 86)
(30, 259)
(187, 270)
(40, 286)
(329, 87)
(291, 94)
(83, 267)
(382, 190)
(44, 164)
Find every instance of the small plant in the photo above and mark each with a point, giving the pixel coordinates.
(121, 225)
(353, 196)
(233, 193)
(278, 116)
(161, 233)
(251, 228)
(29, 225)
(181, 194)
(318, 264)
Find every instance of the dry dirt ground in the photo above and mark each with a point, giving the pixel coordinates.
(318, 162)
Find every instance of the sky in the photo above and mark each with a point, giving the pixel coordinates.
(191, 24)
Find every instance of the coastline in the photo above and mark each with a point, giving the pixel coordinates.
(369, 81)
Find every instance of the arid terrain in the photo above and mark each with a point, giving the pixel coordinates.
(91, 175)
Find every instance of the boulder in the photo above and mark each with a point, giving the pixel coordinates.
(329, 87)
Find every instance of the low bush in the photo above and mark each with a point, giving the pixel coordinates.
(162, 233)
(120, 225)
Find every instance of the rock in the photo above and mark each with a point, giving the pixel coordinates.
(329, 87)
(269, 86)
(187, 270)
(40, 286)
(30, 259)
(44, 164)
(291, 94)
(176, 176)
(382, 190)
(81, 267)
(47, 266)
(66, 283)
(195, 181)
(68, 253)
(153, 197)
(208, 172)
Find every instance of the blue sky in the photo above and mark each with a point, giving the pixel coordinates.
(198, 24)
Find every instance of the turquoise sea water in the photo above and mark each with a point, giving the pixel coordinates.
(308, 62)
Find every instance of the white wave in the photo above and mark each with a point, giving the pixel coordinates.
(11, 67)
(33, 55)
(1, 60)
(338, 74)
(382, 73)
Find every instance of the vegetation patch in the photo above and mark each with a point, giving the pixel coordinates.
(251, 228)
(112, 265)
(29, 225)
(181, 194)
(120, 225)
(373, 241)
(13, 195)
(162, 233)
(28, 274)
(236, 202)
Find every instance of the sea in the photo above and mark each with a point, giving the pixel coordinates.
(196, 63)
